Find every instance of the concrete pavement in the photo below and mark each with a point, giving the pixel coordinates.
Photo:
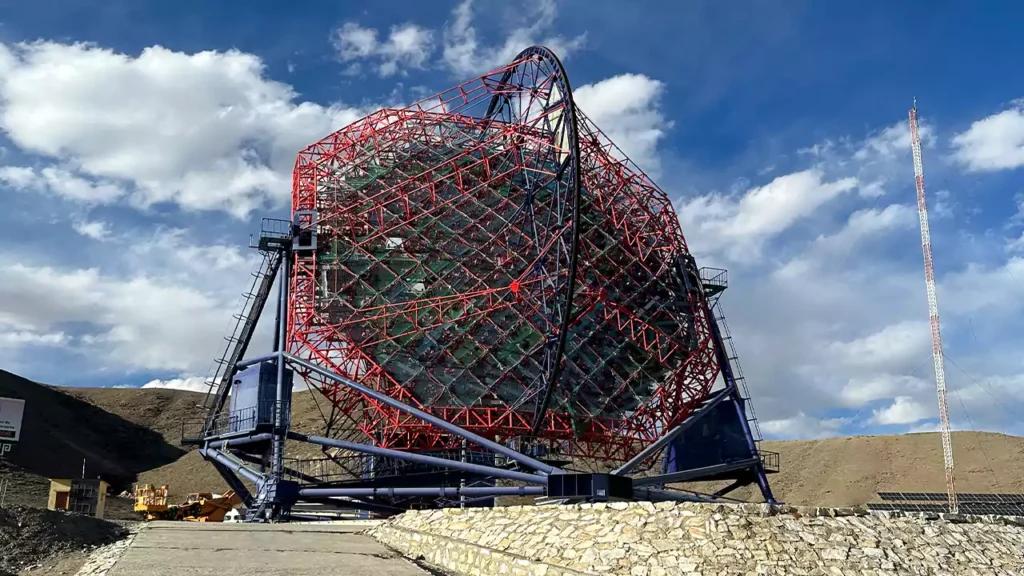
(198, 549)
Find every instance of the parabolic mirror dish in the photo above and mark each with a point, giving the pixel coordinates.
(489, 255)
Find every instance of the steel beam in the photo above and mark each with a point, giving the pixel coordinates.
(233, 482)
(696, 473)
(234, 466)
(438, 491)
(277, 448)
(218, 444)
(423, 459)
(266, 358)
(440, 423)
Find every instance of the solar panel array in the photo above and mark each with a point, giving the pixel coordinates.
(961, 497)
(979, 504)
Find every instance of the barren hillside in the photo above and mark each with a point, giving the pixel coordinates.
(132, 434)
(847, 471)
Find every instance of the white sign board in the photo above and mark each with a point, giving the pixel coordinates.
(11, 411)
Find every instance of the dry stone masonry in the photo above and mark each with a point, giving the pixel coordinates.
(645, 539)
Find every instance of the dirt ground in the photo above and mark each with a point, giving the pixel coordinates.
(31, 536)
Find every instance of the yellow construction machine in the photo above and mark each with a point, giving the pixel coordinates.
(205, 507)
(151, 501)
(198, 507)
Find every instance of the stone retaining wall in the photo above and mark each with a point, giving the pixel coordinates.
(644, 539)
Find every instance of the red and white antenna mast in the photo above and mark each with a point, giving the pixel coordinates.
(933, 309)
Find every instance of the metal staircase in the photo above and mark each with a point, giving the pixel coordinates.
(734, 361)
(237, 343)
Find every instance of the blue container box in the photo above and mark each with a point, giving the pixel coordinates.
(254, 395)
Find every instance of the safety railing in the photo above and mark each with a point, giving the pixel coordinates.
(769, 460)
(236, 422)
(714, 277)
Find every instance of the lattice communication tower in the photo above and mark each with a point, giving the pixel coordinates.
(490, 256)
(933, 311)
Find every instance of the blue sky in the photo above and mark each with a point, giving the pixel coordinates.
(142, 142)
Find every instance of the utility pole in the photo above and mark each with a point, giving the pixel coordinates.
(933, 310)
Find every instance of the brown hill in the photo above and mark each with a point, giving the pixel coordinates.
(848, 471)
(133, 434)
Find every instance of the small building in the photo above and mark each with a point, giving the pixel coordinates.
(79, 495)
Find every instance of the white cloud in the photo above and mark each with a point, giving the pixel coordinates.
(18, 177)
(94, 230)
(942, 207)
(992, 143)
(983, 288)
(170, 311)
(12, 338)
(61, 182)
(903, 410)
(739, 227)
(407, 46)
(872, 386)
(139, 322)
(189, 383)
(464, 55)
(627, 109)
(803, 426)
(867, 224)
(893, 347)
(201, 384)
(893, 142)
(830, 318)
(206, 131)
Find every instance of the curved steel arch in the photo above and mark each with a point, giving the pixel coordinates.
(541, 57)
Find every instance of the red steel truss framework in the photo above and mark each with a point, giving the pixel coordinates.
(490, 256)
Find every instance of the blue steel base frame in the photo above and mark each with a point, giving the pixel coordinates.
(687, 456)
(274, 496)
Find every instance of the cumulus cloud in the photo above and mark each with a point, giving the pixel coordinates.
(205, 131)
(830, 319)
(407, 46)
(903, 410)
(893, 142)
(14, 338)
(740, 226)
(992, 143)
(804, 427)
(984, 288)
(201, 384)
(866, 224)
(61, 182)
(94, 230)
(627, 109)
(190, 384)
(465, 55)
(169, 311)
(894, 347)
(864, 389)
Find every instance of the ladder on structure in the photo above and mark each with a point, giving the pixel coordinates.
(734, 361)
(237, 343)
